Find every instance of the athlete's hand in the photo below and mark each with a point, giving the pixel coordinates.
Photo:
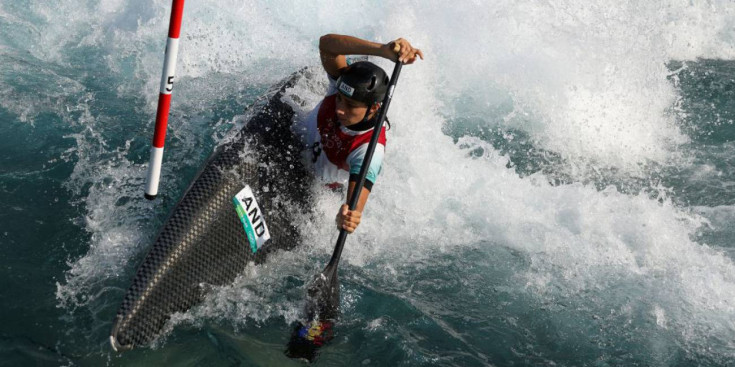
(348, 219)
(401, 50)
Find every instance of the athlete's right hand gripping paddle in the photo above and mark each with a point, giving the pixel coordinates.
(322, 304)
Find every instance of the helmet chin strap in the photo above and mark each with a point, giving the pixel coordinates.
(363, 125)
(367, 115)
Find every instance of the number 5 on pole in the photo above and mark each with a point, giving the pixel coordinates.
(164, 99)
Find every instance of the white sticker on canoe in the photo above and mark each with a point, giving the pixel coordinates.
(252, 218)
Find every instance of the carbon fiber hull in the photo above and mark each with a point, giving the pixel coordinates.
(203, 241)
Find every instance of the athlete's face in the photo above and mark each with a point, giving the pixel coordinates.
(350, 111)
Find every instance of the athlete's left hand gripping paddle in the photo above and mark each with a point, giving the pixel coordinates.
(322, 304)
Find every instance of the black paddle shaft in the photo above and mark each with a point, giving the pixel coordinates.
(366, 162)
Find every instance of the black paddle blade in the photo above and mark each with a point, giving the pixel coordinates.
(322, 309)
(322, 301)
(307, 339)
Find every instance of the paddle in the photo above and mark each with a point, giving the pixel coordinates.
(323, 292)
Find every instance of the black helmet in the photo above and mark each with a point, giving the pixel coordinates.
(363, 81)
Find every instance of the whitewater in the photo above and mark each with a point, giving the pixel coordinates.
(558, 186)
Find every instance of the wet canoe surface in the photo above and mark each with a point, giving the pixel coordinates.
(203, 242)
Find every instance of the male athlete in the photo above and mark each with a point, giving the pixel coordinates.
(339, 128)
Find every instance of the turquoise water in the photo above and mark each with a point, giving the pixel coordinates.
(558, 189)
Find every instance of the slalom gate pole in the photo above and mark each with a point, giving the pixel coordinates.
(164, 99)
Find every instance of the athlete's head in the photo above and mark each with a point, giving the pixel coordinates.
(364, 82)
(361, 85)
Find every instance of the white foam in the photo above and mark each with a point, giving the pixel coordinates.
(114, 186)
(585, 80)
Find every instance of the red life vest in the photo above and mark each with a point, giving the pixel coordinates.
(336, 144)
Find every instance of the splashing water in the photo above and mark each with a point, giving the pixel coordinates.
(557, 186)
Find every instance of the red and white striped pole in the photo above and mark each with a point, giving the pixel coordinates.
(164, 99)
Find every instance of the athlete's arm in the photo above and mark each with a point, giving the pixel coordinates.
(349, 219)
(334, 47)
